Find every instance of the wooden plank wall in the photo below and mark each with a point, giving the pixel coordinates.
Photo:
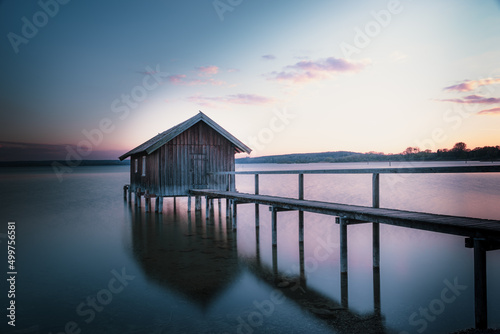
(186, 162)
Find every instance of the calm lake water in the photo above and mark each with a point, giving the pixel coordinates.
(88, 262)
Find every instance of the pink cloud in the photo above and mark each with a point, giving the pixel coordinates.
(176, 79)
(470, 85)
(309, 70)
(246, 99)
(207, 70)
(474, 99)
(492, 111)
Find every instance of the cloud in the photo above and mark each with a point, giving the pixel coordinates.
(269, 57)
(398, 56)
(492, 111)
(246, 99)
(176, 79)
(474, 99)
(309, 70)
(207, 70)
(470, 85)
(183, 80)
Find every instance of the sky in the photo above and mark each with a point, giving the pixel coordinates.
(98, 78)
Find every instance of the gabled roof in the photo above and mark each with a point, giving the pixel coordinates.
(161, 139)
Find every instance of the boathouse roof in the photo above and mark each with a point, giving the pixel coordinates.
(161, 139)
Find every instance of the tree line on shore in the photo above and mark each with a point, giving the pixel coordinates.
(458, 152)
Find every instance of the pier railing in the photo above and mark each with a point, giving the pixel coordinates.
(480, 244)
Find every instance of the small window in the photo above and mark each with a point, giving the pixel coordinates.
(143, 166)
(136, 162)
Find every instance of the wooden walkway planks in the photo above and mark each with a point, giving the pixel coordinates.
(463, 226)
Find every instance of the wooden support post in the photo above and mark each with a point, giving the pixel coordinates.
(175, 205)
(129, 194)
(480, 291)
(189, 203)
(274, 227)
(375, 226)
(220, 209)
(207, 208)
(301, 213)
(197, 203)
(160, 202)
(235, 215)
(228, 208)
(147, 201)
(125, 188)
(343, 245)
(157, 203)
(257, 205)
(138, 197)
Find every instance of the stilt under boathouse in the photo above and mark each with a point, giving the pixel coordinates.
(187, 156)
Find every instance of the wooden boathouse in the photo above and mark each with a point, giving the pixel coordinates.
(183, 158)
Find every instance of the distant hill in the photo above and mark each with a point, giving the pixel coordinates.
(48, 163)
(303, 158)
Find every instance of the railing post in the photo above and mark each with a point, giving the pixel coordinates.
(301, 213)
(375, 226)
(256, 205)
(480, 291)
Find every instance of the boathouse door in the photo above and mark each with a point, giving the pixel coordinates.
(199, 171)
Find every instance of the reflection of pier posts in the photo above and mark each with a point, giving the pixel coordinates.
(301, 263)
(275, 263)
(376, 290)
(189, 203)
(480, 295)
(257, 247)
(344, 290)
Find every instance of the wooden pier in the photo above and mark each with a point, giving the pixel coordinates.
(480, 234)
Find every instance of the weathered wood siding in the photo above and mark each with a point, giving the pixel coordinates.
(186, 162)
